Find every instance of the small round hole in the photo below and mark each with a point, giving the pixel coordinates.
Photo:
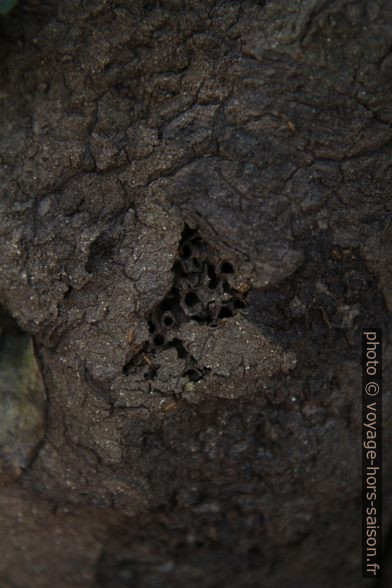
(225, 313)
(191, 299)
(168, 320)
(159, 339)
(239, 304)
(227, 268)
(193, 375)
(166, 305)
(151, 327)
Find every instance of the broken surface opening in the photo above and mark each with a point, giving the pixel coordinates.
(200, 293)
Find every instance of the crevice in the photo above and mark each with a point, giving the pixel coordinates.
(201, 293)
(100, 249)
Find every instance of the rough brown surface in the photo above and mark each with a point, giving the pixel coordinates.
(225, 166)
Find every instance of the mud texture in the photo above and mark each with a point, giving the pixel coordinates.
(195, 223)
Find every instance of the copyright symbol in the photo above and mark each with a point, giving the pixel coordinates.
(372, 389)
